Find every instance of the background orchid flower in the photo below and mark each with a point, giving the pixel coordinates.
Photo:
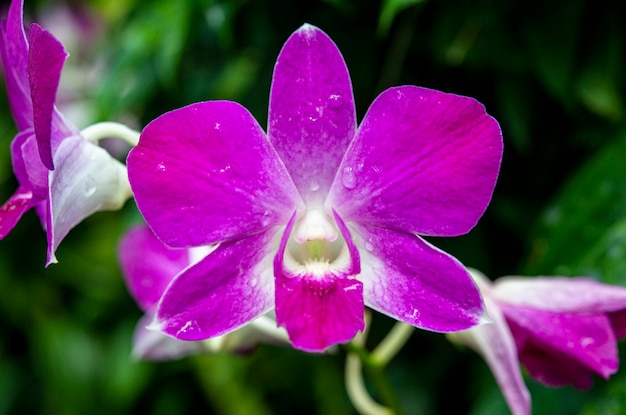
(563, 330)
(61, 174)
(148, 267)
(316, 219)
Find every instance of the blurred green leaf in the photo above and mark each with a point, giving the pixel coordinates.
(389, 11)
(583, 229)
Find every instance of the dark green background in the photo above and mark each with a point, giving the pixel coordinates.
(552, 73)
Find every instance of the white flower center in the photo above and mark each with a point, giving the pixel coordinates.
(316, 247)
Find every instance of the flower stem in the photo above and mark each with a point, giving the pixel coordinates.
(374, 364)
(109, 129)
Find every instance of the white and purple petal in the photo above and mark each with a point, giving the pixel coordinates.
(312, 117)
(560, 294)
(422, 161)
(207, 173)
(86, 180)
(410, 280)
(226, 290)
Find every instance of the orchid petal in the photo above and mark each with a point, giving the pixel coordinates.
(46, 57)
(86, 180)
(422, 161)
(312, 117)
(226, 290)
(13, 209)
(560, 294)
(495, 343)
(29, 170)
(154, 345)
(14, 50)
(558, 348)
(618, 321)
(410, 280)
(148, 266)
(319, 306)
(206, 173)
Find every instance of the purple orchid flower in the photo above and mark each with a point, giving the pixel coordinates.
(563, 330)
(317, 218)
(61, 174)
(148, 267)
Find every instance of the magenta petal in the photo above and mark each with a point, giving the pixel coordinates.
(148, 266)
(206, 173)
(46, 57)
(13, 209)
(422, 161)
(14, 49)
(312, 116)
(323, 306)
(410, 280)
(226, 290)
(558, 348)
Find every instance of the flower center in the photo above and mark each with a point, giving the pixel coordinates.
(316, 247)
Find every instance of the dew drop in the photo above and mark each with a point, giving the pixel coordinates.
(315, 186)
(161, 167)
(335, 101)
(90, 186)
(348, 178)
(266, 219)
(369, 246)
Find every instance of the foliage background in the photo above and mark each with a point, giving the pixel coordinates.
(550, 72)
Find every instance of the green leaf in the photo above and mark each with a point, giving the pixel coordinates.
(584, 230)
(390, 10)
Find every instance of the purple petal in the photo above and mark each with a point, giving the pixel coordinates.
(496, 344)
(45, 63)
(226, 290)
(410, 280)
(14, 49)
(86, 180)
(423, 161)
(322, 306)
(29, 170)
(560, 294)
(311, 113)
(618, 321)
(206, 173)
(148, 265)
(560, 348)
(154, 345)
(13, 209)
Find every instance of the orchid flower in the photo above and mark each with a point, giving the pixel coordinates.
(61, 174)
(563, 330)
(148, 267)
(317, 219)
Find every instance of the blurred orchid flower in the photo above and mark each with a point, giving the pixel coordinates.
(317, 219)
(148, 267)
(61, 174)
(563, 330)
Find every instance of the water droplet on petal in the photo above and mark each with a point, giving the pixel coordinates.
(348, 178)
(369, 246)
(335, 101)
(266, 219)
(90, 186)
(161, 167)
(315, 186)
